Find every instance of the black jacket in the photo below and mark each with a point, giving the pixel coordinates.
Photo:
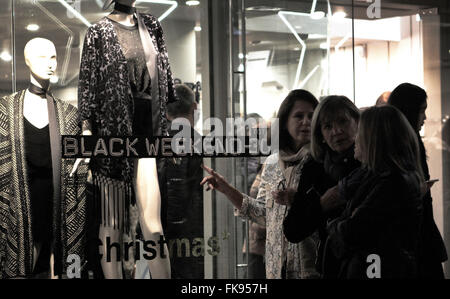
(306, 216)
(432, 251)
(382, 217)
(185, 195)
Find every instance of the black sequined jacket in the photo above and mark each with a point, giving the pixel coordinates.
(104, 91)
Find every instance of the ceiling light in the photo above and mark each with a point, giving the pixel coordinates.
(263, 8)
(33, 27)
(417, 17)
(192, 3)
(6, 56)
(316, 36)
(324, 46)
(296, 49)
(198, 28)
(339, 15)
(317, 15)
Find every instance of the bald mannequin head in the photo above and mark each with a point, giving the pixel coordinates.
(40, 57)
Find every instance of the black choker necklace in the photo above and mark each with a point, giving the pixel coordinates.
(39, 91)
(125, 8)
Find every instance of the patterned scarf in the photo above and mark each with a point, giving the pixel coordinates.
(16, 241)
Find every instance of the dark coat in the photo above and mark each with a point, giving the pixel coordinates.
(382, 217)
(432, 251)
(306, 216)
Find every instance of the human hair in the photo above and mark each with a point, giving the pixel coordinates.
(387, 141)
(285, 139)
(329, 109)
(408, 98)
(182, 107)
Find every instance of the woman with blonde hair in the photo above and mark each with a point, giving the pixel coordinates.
(316, 200)
(383, 215)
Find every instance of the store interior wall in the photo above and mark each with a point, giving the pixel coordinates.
(181, 46)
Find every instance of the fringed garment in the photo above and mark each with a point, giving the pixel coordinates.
(105, 97)
(106, 107)
(69, 209)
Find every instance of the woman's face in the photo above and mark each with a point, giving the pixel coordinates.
(422, 116)
(339, 133)
(299, 123)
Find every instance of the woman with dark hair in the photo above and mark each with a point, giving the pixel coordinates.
(382, 217)
(280, 170)
(317, 199)
(411, 100)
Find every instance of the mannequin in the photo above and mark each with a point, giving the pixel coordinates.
(137, 96)
(35, 186)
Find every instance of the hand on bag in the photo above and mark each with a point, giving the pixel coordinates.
(284, 197)
(331, 200)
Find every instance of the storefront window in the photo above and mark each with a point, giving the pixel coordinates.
(241, 58)
(65, 22)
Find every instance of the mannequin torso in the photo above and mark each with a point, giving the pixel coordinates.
(124, 18)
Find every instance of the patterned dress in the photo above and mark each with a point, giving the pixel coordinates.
(264, 210)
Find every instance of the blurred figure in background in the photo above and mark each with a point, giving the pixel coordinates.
(185, 195)
(383, 98)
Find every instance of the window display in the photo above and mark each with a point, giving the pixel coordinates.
(45, 216)
(111, 69)
(125, 99)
